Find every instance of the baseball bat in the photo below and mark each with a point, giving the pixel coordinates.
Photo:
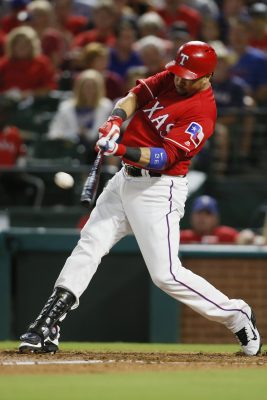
(91, 184)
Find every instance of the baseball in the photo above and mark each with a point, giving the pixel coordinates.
(63, 180)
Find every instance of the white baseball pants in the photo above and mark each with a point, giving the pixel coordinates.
(151, 209)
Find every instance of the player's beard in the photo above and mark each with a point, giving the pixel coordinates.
(182, 91)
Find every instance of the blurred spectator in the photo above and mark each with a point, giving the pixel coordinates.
(233, 112)
(141, 7)
(122, 54)
(96, 56)
(4, 7)
(151, 23)
(54, 47)
(2, 43)
(123, 11)
(15, 185)
(175, 10)
(178, 34)
(210, 30)
(11, 143)
(257, 233)
(249, 63)
(40, 16)
(83, 7)
(133, 74)
(23, 70)
(104, 20)
(10, 21)
(258, 28)
(205, 226)
(65, 20)
(79, 117)
(230, 10)
(208, 8)
(153, 53)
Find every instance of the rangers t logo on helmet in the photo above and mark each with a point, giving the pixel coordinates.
(184, 57)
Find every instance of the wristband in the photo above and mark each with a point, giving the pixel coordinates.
(158, 158)
(119, 112)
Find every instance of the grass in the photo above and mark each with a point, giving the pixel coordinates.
(240, 383)
(185, 385)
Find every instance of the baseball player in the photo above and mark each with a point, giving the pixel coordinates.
(173, 114)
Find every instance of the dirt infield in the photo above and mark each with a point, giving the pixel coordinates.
(73, 362)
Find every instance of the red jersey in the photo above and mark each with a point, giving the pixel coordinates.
(76, 24)
(93, 35)
(11, 146)
(181, 125)
(219, 235)
(259, 43)
(34, 74)
(2, 43)
(10, 22)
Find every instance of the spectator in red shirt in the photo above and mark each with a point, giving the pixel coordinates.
(12, 148)
(54, 43)
(104, 20)
(2, 43)
(205, 224)
(258, 33)
(176, 10)
(16, 187)
(65, 19)
(23, 69)
(11, 21)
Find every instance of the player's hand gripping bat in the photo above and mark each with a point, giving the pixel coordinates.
(91, 184)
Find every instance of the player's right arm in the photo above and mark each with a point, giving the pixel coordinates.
(124, 109)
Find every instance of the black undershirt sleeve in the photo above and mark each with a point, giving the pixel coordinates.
(133, 154)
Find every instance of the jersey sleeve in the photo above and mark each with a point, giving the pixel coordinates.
(148, 89)
(191, 135)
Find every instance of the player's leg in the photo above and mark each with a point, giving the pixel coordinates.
(106, 226)
(154, 218)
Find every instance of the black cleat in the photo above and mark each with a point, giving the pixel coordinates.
(33, 343)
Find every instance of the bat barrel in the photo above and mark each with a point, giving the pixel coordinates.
(91, 184)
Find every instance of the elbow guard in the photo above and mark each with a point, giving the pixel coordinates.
(158, 158)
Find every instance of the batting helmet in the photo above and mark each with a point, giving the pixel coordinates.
(194, 59)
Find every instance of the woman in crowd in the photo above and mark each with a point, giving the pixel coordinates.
(96, 56)
(23, 68)
(79, 117)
